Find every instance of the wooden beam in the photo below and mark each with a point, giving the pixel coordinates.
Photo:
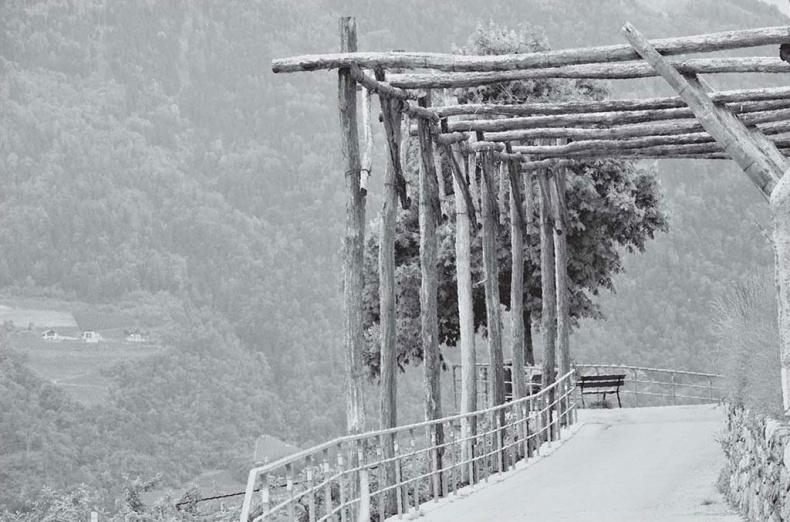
(735, 97)
(461, 183)
(491, 271)
(367, 135)
(608, 118)
(661, 128)
(354, 238)
(391, 116)
(603, 71)
(464, 214)
(610, 53)
(547, 276)
(732, 135)
(517, 227)
(429, 283)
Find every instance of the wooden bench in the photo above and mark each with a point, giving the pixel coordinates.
(601, 385)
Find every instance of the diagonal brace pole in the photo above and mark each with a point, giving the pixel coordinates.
(733, 136)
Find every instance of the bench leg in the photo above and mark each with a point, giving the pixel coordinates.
(620, 404)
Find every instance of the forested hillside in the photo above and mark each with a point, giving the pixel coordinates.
(148, 153)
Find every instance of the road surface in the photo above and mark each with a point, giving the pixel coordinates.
(629, 465)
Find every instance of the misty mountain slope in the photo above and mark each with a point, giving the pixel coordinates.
(146, 148)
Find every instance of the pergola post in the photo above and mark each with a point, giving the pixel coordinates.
(780, 214)
(354, 238)
(517, 225)
(488, 207)
(388, 416)
(561, 271)
(547, 276)
(429, 219)
(463, 264)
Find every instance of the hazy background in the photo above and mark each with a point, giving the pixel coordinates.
(156, 176)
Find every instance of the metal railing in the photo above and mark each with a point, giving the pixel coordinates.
(381, 473)
(660, 387)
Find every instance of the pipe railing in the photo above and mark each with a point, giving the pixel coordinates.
(659, 387)
(644, 386)
(373, 475)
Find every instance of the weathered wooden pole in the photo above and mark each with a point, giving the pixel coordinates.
(780, 214)
(547, 276)
(429, 219)
(561, 273)
(529, 204)
(488, 205)
(517, 225)
(354, 238)
(463, 266)
(388, 416)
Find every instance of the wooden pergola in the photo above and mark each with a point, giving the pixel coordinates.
(526, 148)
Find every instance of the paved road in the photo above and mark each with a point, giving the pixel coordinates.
(629, 465)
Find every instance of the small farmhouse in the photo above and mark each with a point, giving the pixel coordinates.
(89, 336)
(50, 335)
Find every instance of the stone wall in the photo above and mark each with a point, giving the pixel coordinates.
(756, 475)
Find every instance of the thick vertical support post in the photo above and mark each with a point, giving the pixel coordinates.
(517, 226)
(354, 239)
(561, 275)
(463, 265)
(388, 416)
(780, 214)
(549, 296)
(493, 318)
(429, 219)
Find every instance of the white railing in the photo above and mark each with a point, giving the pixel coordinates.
(381, 473)
(658, 387)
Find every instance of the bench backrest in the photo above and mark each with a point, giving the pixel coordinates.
(601, 381)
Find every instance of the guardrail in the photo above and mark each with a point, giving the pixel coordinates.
(391, 472)
(658, 387)
(643, 386)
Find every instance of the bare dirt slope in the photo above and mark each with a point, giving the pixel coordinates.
(639, 464)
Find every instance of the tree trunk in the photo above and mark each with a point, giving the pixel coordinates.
(354, 239)
(429, 219)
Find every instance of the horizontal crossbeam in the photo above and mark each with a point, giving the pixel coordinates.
(508, 62)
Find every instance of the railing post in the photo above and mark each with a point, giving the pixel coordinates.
(710, 389)
(266, 493)
(327, 485)
(399, 493)
(363, 512)
(498, 443)
(636, 387)
(289, 487)
(311, 495)
(340, 481)
(674, 391)
(415, 472)
(434, 463)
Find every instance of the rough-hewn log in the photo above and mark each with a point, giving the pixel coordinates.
(735, 97)
(603, 71)
(561, 269)
(517, 226)
(491, 271)
(429, 282)
(354, 238)
(529, 206)
(367, 135)
(461, 182)
(610, 53)
(388, 409)
(780, 215)
(391, 118)
(466, 328)
(598, 119)
(547, 276)
(673, 127)
(732, 136)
